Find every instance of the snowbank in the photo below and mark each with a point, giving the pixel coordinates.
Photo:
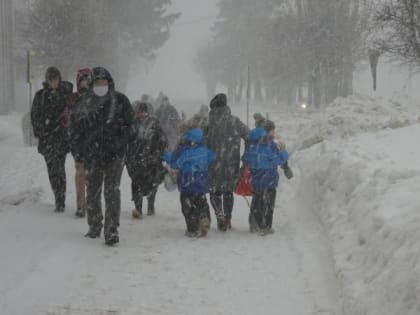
(344, 118)
(361, 175)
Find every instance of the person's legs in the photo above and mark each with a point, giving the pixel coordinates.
(137, 198)
(112, 180)
(94, 180)
(80, 180)
(217, 204)
(151, 202)
(57, 176)
(187, 210)
(228, 201)
(203, 209)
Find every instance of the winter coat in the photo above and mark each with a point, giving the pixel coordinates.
(103, 123)
(170, 121)
(77, 137)
(47, 117)
(263, 156)
(146, 145)
(223, 136)
(192, 158)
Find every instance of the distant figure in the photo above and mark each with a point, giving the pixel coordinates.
(199, 120)
(223, 135)
(169, 120)
(104, 119)
(49, 126)
(144, 158)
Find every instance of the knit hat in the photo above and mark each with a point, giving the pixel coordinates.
(52, 73)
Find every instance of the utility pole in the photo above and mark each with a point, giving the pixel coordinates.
(248, 94)
(6, 57)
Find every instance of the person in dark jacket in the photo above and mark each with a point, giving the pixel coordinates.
(192, 159)
(169, 120)
(47, 117)
(263, 156)
(223, 136)
(144, 158)
(83, 81)
(104, 118)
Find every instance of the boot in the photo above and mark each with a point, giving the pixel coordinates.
(136, 214)
(80, 213)
(228, 223)
(112, 237)
(94, 232)
(204, 227)
(221, 221)
(151, 210)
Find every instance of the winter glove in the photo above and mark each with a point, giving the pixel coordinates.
(287, 171)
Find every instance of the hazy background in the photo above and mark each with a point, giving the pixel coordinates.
(173, 72)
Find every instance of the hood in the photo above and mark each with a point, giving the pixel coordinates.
(84, 73)
(51, 73)
(140, 106)
(194, 135)
(100, 73)
(256, 134)
(220, 100)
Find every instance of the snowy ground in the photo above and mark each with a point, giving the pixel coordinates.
(48, 267)
(346, 241)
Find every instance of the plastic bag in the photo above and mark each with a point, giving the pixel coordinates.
(244, 186)
(169, 181)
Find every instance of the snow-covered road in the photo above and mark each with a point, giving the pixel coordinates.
(48, 267)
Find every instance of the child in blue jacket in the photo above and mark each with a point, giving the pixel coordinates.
(192, 158)
(263, 156)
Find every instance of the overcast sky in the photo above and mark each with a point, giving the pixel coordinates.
(173, 72)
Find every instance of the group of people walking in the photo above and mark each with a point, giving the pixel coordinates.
(105, 132)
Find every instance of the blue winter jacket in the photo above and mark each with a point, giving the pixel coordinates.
(192, 158)
(263, 157)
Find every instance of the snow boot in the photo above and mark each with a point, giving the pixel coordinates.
(112, 237)
(228, 224)
(59, 209)
(93, 232)
(151, 211)
(80, 213)
(204, 227)
(136, 214)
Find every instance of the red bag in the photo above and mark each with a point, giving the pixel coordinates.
(244, 186)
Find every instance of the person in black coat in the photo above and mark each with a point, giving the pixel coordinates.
(144, 158)
(103, 119)
(223, 135)
(47, 117)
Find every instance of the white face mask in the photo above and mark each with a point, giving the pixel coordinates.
(100, 90)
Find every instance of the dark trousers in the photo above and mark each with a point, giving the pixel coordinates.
(109, 176)
(57, 175)
(137, 197)
(222, 203)
(194, 207)
(262, 208)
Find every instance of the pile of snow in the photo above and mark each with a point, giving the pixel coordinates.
(344, 118)
(365, 191)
